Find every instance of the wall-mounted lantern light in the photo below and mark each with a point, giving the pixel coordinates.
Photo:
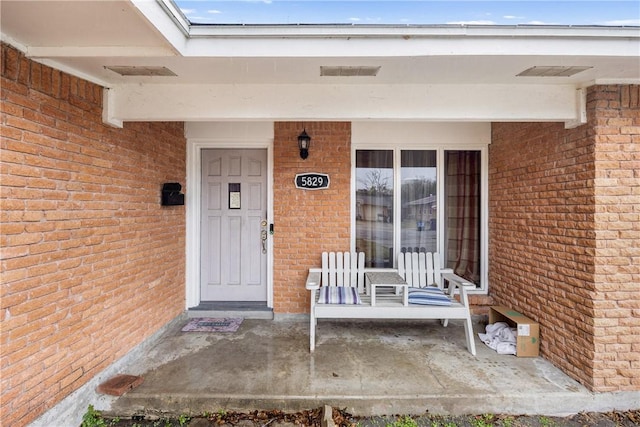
(304, 142)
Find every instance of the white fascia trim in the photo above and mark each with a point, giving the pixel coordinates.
(176, 15)
(373, 46)
(351, 31)
(168, 24)
(171, 20)
(34, 52)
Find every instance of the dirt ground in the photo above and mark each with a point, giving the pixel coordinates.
(343, 419)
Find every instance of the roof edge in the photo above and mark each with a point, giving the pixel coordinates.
(445, 30)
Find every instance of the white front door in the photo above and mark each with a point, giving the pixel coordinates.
(233, 255)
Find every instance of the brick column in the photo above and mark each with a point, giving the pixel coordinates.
(616, 298)
(308, 222)
(564, 232)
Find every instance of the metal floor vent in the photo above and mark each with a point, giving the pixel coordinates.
(553, 71)
(126, 70)
(349, 71)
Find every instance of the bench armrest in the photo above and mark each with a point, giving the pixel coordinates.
(313, 279)
(456, 280)
(451, 277)
(461, 283)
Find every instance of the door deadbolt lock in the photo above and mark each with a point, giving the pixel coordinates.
(263, 238)
(263, 235)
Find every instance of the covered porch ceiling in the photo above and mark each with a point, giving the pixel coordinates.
(273, 72)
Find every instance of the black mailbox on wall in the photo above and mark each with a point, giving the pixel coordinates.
(171, 195)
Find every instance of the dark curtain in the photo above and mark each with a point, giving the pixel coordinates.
(463, 213)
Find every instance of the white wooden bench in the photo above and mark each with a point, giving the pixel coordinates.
(344, 269)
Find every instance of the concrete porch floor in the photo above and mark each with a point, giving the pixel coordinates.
(366, 367)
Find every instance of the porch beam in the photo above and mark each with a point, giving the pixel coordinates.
(161, 102)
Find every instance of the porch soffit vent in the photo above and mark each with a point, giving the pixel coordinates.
(553, 71)
(349, 71)
(141, 70)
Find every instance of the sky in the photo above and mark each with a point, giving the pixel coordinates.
(413, 12)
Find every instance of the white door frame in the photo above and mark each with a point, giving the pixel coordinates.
(192, 205)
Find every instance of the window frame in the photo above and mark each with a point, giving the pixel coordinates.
(440, 149)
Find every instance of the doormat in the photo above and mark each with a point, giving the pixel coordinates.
(208, 324)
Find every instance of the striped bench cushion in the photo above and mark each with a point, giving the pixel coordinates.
(338, 295)
(428, 296)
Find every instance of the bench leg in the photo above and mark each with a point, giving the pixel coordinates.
(312, 332)
(468, 329)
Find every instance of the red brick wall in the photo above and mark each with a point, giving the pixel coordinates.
(563, 236)
(91, 263)
(617, 231)
(308, 222)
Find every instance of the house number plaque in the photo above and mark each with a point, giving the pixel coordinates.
(312, 181)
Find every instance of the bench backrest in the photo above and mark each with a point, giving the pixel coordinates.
(420, 269)
(343, 269)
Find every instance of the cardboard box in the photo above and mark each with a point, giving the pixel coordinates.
(528, 341)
